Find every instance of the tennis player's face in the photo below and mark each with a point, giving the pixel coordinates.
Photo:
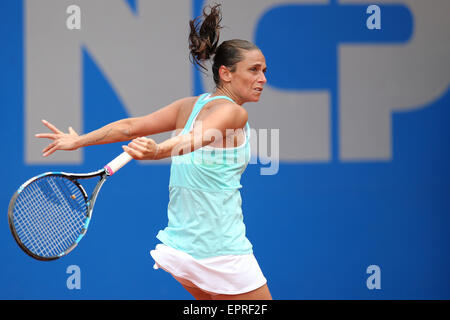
(249, 77)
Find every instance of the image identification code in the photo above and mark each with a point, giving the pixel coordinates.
(231, 309)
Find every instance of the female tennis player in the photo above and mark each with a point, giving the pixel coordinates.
(204, 245)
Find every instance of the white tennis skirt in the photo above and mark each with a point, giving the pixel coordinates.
(227, 274)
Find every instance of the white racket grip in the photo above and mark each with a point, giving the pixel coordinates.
(118, 163)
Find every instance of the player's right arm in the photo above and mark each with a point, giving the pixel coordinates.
(215, 125)
(162, 120)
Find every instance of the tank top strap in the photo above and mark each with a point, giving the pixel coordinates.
(217, 98)
(247, 128)
(195, 110)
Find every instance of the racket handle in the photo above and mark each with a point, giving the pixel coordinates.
(117, 163)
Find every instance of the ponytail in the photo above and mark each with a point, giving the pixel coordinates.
(203, 39)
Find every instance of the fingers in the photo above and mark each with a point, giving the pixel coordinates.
(60, 141)
(133, 153)
(51, 127)
(136, 149)
(52, 147)
(145, 142)
(139, 144)
(142, 144)
(140, 148)
(46, 135)
(71, 131)
(56, 131)
(49, 152)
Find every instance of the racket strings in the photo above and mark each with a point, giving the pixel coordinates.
(36, 225)
(55, 223)
(60, 221)
(48, 223)
(49, 215)
(33, 225)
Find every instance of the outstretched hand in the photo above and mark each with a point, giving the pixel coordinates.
(142, 149)
(61, 140)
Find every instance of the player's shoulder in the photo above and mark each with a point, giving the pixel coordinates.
(237, 110)
(230, 112)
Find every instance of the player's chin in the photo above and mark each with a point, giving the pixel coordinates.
(255, 96)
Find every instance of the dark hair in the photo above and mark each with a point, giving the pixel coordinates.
(203, 40)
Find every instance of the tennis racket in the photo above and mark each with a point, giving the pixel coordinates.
(49, 214)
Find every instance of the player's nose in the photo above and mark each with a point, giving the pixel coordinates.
(262, 78)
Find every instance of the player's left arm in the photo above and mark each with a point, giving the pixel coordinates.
(162, 120)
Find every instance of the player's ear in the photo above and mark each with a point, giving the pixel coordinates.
(225, 74)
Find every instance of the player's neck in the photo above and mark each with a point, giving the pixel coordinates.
(222, 91)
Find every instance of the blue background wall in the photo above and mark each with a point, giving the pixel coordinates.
(315, 227)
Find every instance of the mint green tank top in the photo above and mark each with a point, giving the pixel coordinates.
(204, 211)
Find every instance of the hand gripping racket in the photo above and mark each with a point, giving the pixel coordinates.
(50, 213)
